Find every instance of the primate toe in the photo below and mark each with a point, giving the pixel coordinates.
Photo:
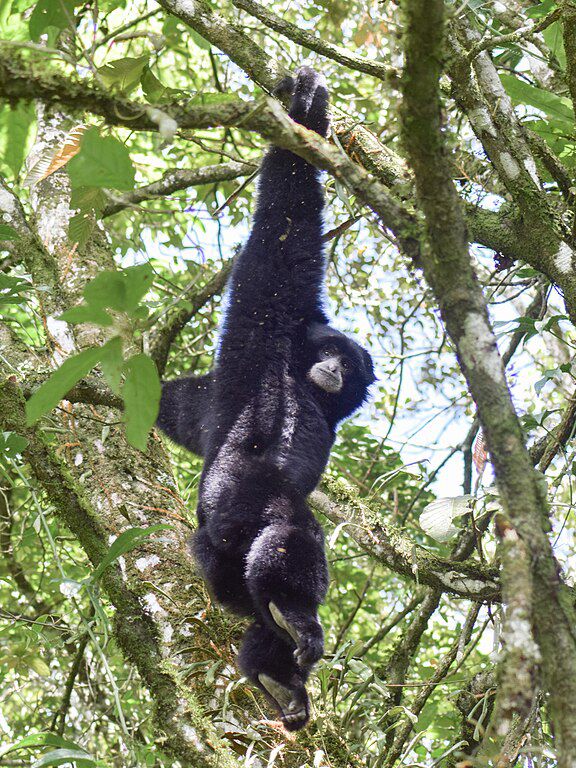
(309, 640)
(283, 622)
(292, 702)
(310, 650)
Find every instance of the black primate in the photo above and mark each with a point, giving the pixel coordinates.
(265, 419)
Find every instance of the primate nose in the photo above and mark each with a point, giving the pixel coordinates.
(332, 366)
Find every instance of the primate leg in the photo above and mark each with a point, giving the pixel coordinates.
(224, 574)
(269, 663)
(287, 577)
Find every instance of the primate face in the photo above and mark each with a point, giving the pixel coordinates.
(331, 370)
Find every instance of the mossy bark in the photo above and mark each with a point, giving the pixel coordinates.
(448, 268)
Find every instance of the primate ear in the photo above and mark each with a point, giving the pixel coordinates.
(369, 365)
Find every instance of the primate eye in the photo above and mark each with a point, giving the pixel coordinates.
(346, 364)
(328, 352)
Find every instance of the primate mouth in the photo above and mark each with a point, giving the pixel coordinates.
(329, 382)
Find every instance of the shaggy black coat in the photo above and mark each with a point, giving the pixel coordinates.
(265, 429)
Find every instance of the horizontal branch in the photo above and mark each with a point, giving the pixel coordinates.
(176, 180)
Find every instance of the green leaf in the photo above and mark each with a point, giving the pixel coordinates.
(8, 233)
(138, 280)
(112, 363)
(199, 40)
(552, 105)
(12, 444)
(88, 198)
(51, 13)
(108, 289)
(18, 123)
(80, 227)
(39, 666)
(124, 543)
(39, 740)
(12, 288)
(60, 756)
(52, 391)
(540, 10)
(103, 161)
(87, 313)
(153, 89)
(554, 39)
(141, 394)
(124, 74)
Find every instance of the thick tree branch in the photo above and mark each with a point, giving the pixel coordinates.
(481, 95)
(517, 672)
(260, 67)
(448, 269)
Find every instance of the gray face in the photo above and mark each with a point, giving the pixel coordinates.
(329, 372)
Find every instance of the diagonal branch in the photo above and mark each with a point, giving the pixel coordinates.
(313, 42)
(165, 332)
(260, 67)
(395, 550)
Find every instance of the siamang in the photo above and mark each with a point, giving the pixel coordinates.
(265, 419)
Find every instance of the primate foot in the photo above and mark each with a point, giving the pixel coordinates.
(307, 636)
(292, 702)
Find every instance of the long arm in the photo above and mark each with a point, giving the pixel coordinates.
(276, 284)
(186, 411)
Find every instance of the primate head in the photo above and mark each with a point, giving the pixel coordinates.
(338, 367)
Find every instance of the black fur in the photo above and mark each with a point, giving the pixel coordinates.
(265, 429)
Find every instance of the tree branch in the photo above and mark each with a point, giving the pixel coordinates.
(165, 333)
(227, 37)
(449, 271)
(313, 42)
(175, 180)
(397, 551)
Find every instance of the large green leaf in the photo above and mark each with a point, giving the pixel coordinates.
(103, 161)
(121, 290)
(124, 74)
(87, 313)
(61, 756)
(521, 92)
(18, 121)
(112, 363)
(141, 392)
(51, 13)
(62, 380)
(137, 280)
(108, 289)
(124, 543)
